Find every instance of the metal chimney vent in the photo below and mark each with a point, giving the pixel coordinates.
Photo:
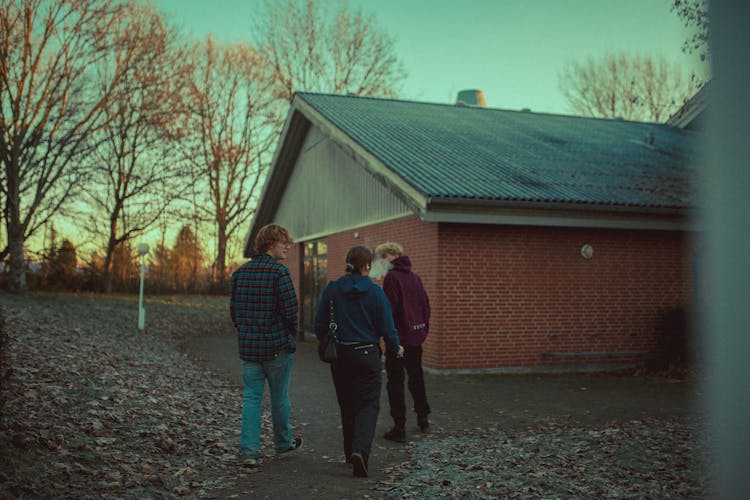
(472, 97)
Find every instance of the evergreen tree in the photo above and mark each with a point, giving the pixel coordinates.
(185, 261)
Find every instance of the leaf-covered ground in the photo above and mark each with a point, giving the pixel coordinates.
(96, 408)
(638, 459)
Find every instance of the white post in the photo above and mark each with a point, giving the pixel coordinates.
(143, 250)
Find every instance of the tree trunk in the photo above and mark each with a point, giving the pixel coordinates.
(17, 276)
(14, 228)
(111, 245)
(221, 257)
(107, 274)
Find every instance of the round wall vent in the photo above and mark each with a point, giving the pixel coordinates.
(587, 251)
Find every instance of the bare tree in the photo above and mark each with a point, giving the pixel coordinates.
(622, 86)
(135, 174)
(229, 135)
(694, 14)
(312, 52)
(49, 50)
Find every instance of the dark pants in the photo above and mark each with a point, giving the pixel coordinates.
(411, 363)
(356, 376)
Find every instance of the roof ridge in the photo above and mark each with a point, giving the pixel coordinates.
(524, 111)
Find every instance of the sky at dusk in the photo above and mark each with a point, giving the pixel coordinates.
(513, 50)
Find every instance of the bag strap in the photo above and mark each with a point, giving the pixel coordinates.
(332, 326)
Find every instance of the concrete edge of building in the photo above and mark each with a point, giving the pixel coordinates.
(533, 369)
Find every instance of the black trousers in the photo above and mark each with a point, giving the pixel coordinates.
(395, 367)
(356, 376)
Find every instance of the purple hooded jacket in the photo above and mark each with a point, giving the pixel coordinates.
(408, 298)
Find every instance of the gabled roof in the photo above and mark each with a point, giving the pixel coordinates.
(468, 153)
(438, 156)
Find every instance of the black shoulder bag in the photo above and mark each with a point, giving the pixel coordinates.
(327, 346)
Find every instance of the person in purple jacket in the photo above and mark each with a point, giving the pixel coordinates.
(411, 314)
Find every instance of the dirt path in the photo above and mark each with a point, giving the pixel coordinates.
(461, 405)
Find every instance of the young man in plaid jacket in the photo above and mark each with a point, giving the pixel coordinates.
(263, 307)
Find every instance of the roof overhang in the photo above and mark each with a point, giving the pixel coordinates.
(559, 214)
(690, 112)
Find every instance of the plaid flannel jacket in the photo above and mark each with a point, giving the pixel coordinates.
(263, 307)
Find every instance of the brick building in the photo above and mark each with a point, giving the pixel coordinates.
(545, 242)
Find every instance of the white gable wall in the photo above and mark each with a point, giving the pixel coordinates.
(330, 191)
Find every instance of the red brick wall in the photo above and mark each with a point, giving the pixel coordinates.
(504, 295)
(510, 294)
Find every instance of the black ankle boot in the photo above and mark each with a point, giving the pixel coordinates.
(359, 464)
(423, 422)
(397, 434)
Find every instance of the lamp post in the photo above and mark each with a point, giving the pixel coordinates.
(142, 250)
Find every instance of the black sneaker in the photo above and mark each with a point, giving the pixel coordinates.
(296, 445)
(359, 465)
(424, 424)
(397, 434)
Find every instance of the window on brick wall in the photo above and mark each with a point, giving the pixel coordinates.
(314, 279)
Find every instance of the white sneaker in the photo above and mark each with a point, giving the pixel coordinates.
(296, 445)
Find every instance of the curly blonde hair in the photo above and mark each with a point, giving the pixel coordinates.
(389, 248)
(269, 235)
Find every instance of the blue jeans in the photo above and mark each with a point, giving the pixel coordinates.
(254, 375)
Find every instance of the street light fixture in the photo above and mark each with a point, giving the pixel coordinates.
(142, 250)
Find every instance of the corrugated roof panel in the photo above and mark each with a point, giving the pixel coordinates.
(479, 153)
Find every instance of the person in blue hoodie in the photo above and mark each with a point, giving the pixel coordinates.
(363, 315)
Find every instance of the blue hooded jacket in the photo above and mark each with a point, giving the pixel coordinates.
(361, 311)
